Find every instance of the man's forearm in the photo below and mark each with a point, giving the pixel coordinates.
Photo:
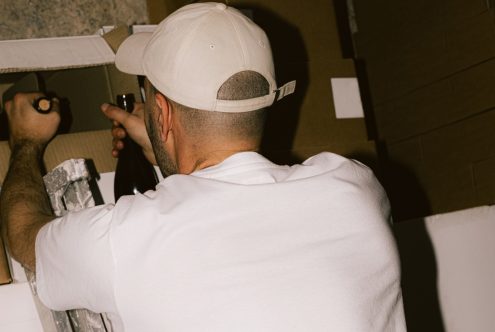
(24, 204)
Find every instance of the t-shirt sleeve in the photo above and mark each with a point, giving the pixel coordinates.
(74, 261)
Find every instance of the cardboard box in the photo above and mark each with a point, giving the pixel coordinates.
(451, 166)
(460, 96)
(80, 71)
(484, 180)
(430, 68)
(412, 47)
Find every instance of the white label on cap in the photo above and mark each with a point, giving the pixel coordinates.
(346, 98)
(287, 89)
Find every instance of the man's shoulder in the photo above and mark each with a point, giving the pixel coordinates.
(332, 160)
(331, 165)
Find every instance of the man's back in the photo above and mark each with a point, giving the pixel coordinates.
(251, 246)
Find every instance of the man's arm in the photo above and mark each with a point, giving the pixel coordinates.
(24, 203)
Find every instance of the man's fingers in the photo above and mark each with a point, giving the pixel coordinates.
(118, 132)
(115, 113)
(26, 123)
(117, 144)
(21, 99)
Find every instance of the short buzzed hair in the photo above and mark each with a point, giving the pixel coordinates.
(243, 125)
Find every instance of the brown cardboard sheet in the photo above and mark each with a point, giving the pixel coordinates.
(307, 118)
(402, 57)
(451, 166)
(450, 100)
(364, 151)
(415, 113)
(468, 141)
(93, 145)
(455, 11)
(420, 186)
(484, 180)
(434, 54)
(450, 188)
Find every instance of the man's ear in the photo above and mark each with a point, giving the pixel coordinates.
(164, 115)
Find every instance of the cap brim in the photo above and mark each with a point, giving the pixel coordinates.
(129, 57)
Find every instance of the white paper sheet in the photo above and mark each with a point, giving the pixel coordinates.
(347, 98)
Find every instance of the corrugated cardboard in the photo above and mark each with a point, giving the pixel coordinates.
(484, 180)
(451, 165)
(409, 49)
(471, 140)
(458, 97)
(454, 11)
(94, 145)
(402, 176)
(308, 117)
(430, 67)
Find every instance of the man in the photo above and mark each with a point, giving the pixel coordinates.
(228, 241)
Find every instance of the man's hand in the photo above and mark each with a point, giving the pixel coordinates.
(24, 204)
(26, 124)
(131, 124)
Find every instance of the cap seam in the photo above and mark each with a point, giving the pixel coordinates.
(195, 31)
(180, 63)
(243, 47)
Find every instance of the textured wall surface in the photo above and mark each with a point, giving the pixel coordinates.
(55, 18)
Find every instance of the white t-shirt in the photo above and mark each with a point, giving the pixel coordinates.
(245, 245)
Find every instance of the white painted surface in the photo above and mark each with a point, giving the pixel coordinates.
(17, 309)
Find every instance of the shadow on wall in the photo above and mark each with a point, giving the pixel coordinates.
(291, 63)
(408, 201)
(407, 196)
(419, 277)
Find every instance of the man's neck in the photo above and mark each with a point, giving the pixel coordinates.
(210, 157)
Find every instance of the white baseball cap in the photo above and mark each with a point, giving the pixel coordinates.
(195, 50)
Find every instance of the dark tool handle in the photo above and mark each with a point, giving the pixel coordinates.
(42, 105)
